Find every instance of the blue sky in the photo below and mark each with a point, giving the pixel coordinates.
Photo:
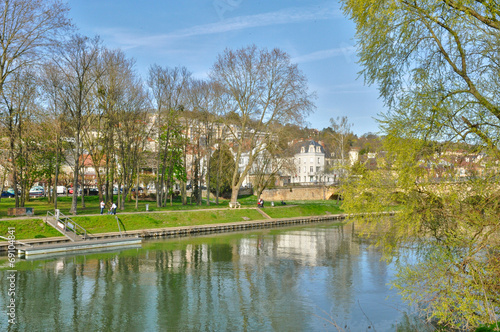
(192, 33)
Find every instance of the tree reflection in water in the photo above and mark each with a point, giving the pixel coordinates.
(298, 278)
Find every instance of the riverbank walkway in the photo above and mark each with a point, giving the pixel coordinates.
(65, 244)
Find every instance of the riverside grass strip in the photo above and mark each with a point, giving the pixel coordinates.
(187, 215)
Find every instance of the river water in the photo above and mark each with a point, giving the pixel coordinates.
(309, 278)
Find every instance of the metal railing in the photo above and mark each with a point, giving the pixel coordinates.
(119, 229)
(66, 224)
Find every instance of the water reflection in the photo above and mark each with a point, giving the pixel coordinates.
(289, 279)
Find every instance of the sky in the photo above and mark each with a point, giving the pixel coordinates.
(191, 33)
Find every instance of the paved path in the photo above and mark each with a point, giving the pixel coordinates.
(143, 212)
(263, 213)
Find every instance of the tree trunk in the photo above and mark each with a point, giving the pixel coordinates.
(234, 193)
(56, 175)
(76, 155)
(208, 175)
(217, 191)
(83, 188)
(137, 189)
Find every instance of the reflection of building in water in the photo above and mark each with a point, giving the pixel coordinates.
(305, 247)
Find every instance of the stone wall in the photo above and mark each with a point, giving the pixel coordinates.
(298, 193)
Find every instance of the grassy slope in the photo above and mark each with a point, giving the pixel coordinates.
(176, 215)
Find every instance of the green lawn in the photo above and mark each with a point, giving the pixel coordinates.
(128, 222)
(41, 205)
(302, 208)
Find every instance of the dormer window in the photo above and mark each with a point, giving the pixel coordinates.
(302, 149)
(318, 149)
(311, 148)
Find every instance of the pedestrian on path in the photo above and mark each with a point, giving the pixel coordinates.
(103, 205)
(112, 210)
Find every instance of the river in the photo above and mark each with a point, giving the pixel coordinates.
(306, 278)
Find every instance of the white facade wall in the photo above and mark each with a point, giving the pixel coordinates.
(310, 165)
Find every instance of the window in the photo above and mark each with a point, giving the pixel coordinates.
(318, 149)
(317, 169)
(302, 149)
(319, 160)
(311, 169)
(311, 148)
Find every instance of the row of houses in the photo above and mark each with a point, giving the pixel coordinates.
(310, 163)
(313, 164)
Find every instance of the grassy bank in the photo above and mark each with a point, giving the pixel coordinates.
(41, 205)
(171, 216)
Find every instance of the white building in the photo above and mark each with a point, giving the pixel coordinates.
(311, 165)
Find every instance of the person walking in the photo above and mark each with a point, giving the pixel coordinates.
(102, 206)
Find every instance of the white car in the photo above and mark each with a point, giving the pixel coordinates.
(37, 191)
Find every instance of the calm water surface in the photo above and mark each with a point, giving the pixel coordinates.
(288, 279)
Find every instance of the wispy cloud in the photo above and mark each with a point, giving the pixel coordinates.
(286, 16)
(346, 51)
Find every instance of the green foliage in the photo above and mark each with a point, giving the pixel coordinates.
(453, 227)
(435, 63)
(222, 165)
(489, 328)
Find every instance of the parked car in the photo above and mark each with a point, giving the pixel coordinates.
(70, 190)
(92, 191)
(61, 190)
(7, 194)
(37, 191)
(10, 190)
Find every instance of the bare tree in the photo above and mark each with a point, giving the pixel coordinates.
(133, 130)
(341, 132)
(77, 61)
(51, 89)
(17, 108)
(204, 99)
(28, 29)
(265, 89)
(168, 88)
(270, 164)
(113, 90)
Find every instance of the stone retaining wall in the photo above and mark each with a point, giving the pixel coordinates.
(298, 193)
